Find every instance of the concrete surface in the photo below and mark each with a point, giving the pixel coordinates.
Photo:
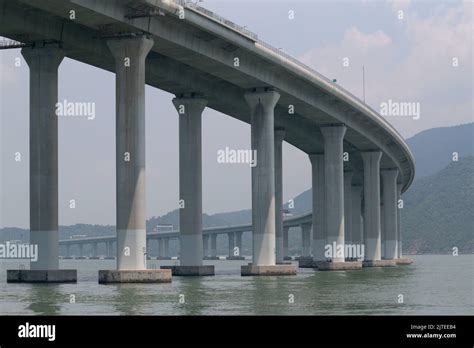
(269, 270)
(42, 276)
(191, 270)
(135, 276)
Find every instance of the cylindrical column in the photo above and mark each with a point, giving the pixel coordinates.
(238, 242)
(130, 55)
(231, 238)
(399, 227)
(108, 249)
(357, 235)
(190, 179)
(334, 185)
(214, 245)
(372, 205)
(205, 241)
(279, 136)
(166, 247)
(68, 250)
(94, 249)
(81, 250)
(285, 241)
(389, 182)
(44, 63)
(382, 228)
(262, 106)
(157, 248)
(319, 206)
(306, 238)
(348, 207)
(161, 248)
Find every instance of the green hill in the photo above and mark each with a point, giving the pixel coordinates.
(438, 211)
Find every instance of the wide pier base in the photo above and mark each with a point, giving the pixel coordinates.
(211, 258)
(305, 262)
(380, 263)
(235, 258)
(273, 270)
(404, 261)
(337, 266)
(42, 276)
(190, 270)
(135, 276)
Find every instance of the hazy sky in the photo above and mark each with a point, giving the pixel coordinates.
(407, 60)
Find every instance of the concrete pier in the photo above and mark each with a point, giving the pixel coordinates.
(190, 187)
(286, 255)
(401, 260)
(135, 276)
(190, 271)
(109, 249)
(166, 248)
(399, 229)
(348, 207)
(94, 251)
(337, 266)
(306, 260)
(382, 228)
(262, 104)
(306, 239)
(234, 240)
(319, 206)
(42, 276)
(238, 244)
(357, 234)
(334, 185)
(231, 244)
(389, 182)
(372, 231)
(274, 270)
(213, 247)
(161, 248)
(205, 248)
(130, 54)
(279, 137)
(43, 63)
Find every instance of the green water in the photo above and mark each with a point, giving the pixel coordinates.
(433, 285)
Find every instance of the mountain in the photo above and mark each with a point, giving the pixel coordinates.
(433, 148)
(438, 211)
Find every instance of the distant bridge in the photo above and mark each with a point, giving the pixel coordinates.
(233, 232)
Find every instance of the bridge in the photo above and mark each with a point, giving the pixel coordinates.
(233, 233)
(360, 164)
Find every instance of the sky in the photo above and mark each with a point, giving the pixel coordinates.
(423, 54)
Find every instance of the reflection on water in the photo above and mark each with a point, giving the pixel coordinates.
(192, 296)
(433, 285)
(127, 299)
(45, 299)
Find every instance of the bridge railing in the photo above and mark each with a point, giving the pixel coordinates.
(195, 6)
(216, 17)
